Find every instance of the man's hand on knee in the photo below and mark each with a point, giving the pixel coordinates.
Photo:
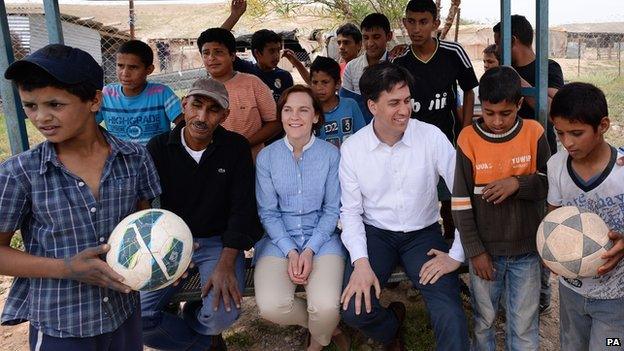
(360, 283)
(439, 265)
(223, 281)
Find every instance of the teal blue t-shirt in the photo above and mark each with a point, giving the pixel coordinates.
(139, 118)
(341, 122)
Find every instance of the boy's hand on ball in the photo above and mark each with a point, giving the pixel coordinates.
(498, 190)
(88, 267)
(615, 253)
(482, 265)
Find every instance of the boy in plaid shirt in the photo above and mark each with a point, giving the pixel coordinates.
(66, 195)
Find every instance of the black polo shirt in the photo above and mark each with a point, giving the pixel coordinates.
(216, 196)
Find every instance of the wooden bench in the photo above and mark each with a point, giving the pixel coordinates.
(191, 286)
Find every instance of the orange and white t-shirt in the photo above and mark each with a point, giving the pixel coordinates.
(251, 105)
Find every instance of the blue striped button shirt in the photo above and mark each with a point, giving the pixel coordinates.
(58, 217)
(298, 200)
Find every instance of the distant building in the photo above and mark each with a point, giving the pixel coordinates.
(29, 33)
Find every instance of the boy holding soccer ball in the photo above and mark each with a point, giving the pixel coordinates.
(65, 196)
(586, 175)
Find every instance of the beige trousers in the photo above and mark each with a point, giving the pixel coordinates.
(275, 295)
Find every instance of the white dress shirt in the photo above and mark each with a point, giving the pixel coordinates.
(393, 187)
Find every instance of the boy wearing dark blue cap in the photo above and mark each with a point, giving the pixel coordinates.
(65, 196)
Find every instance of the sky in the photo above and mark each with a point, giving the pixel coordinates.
(560, 11)
(486, 11)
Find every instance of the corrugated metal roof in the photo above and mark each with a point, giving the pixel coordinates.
(19, 26)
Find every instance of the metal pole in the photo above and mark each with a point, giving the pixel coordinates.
(131, 17)
(578, 60)
(541, 61)
(505, 34)
(457, 24)
(13, 113)
(619, 58)
(53, 21)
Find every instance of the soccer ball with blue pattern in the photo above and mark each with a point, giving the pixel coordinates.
(571, 240)
(150, 249)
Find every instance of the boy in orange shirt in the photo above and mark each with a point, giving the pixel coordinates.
(252, 108)
(498, 201)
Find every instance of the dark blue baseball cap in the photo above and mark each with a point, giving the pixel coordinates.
(67, 64)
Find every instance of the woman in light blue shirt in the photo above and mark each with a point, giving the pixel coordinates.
(298, 194)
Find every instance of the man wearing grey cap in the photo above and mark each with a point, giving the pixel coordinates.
(207, 178)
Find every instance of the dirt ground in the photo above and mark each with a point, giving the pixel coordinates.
(250, 333)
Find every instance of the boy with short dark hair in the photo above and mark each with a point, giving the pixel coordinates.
(376, 33)
(491, 58)
(438, 67)
(342, 115)
(253, 109)
(266, 48)
(523, 61)
(66, 195)
(498, 202)
(349, 40)
(586, 175)
(134, 109)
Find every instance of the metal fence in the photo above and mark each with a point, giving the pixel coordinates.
(596, 53)
(100, 30)
(27, 26)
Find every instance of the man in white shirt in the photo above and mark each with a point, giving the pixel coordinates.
(388, 176)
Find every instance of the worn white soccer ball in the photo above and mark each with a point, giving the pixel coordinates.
(571, 240)
(150, 249)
